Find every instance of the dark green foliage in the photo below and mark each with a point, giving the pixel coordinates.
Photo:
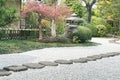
(102, 30)
(83, 34)
(7, 14)
(60, 28)
(32, 21)
(93, 29)
(18, 34)
(78, 9)
(17, 46)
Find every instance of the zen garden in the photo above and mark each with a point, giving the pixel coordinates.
(29, 25)
(59, 39)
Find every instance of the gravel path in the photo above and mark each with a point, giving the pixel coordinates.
(51, 54)
(104, 69)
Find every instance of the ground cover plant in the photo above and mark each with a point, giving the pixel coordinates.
(17, 46)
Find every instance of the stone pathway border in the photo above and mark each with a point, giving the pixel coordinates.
(42, 64)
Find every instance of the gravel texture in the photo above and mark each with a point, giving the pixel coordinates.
(103, 69)
(51, 54)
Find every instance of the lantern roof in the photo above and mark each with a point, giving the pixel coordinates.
(74, 17)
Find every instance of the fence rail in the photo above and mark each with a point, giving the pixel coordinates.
(18, 33)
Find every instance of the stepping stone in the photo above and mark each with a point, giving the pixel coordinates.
(33, 65)
(63, 61)
(81, 60)
(95, 57)
(91, 59)
(15, 68)
(113, 54)
(48, 63)
(4, 73)
(105, 55)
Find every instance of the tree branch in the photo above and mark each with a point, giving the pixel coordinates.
(93, 2)
(86, 3)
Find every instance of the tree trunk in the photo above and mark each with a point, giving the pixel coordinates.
(40, 29)
(40, 32)
(89, 9)
(53, 29)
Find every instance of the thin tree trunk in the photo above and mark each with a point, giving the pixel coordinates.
(53, 29)
(59, 2)
(40, 32)
(40, 28)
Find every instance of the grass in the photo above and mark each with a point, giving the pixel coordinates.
(18, 46)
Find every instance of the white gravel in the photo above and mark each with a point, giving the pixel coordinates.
(104, 69)
(88, 71)
(51, 54)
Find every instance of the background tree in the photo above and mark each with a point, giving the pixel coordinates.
(7, 14)
(110, 10)
(89, 4)
(44, 11)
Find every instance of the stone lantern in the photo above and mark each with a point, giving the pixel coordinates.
(73, 22)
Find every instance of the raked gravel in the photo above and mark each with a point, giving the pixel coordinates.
(52, 54)
(103, 69)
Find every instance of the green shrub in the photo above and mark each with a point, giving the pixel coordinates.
(93, 29)
(60, 28)
(102, 30)
(83, 34)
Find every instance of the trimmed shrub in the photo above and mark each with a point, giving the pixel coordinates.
(83, 34)
(93, 29)
(102, 30)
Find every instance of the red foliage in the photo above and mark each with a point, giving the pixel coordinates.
(45, 11)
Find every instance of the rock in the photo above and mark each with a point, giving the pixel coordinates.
(105, 55)
(91, 59)
(15, 68)
(48, 63)
(33, 65)
(113, 54)
(81, 60)
(63, 61)
(4, 73)
(95, 57)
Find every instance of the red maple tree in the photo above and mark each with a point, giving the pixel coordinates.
(45, 11)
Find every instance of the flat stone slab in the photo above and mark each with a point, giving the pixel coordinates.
(33, 65)
(81, 60)
(113, 54)
(105, 55)
(95, 57)
(64, 61)
(15, 68)
(91, 59)
(48, 63)
(4, 73)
